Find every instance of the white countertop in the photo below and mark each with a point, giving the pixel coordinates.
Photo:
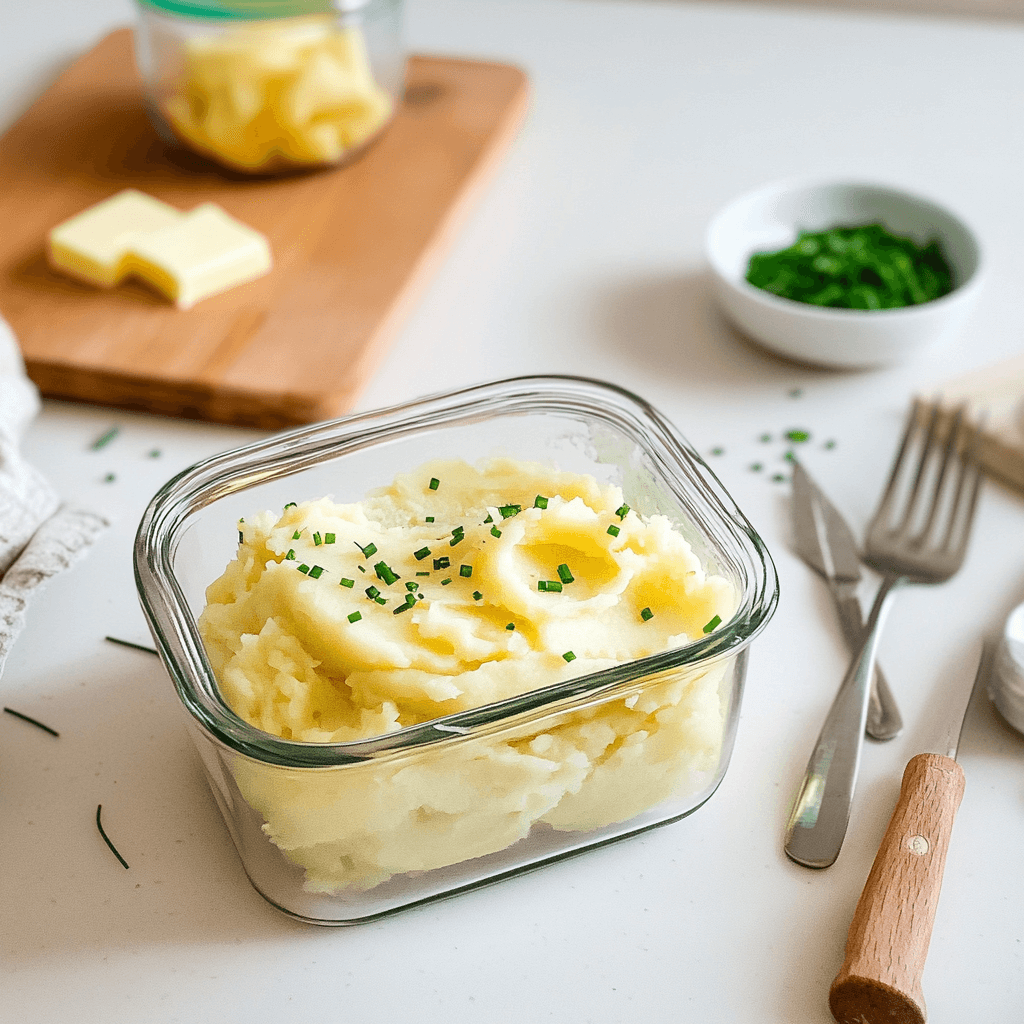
(583, 257)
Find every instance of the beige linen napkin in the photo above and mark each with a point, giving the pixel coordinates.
(39, 536)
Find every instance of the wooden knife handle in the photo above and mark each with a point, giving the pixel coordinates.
(880, 979)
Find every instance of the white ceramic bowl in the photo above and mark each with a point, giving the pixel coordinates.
(769, 219)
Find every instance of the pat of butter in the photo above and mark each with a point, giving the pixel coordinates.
(95, 245)
(205, 252)
(184, 256)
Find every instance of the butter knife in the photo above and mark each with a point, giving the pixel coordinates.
(826, 544)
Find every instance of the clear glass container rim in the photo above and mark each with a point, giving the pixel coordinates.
(254, 10)
(176, 634)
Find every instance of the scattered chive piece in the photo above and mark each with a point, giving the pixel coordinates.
(355, 616)
(408, 603)
(508, 511)
(106, 839)
(457, 538)
(540, 501)
(128, 643)
(296, 535)
(316, 572)
(410, 586)
(569, 656)
(565, 574)
(329, 538)
(241, 539)
(717, 451)
(429, 519)
(386, 573)
(304, 568)
(32, 721)
(489, 519)
(756, 467)
(444, 583)
(421, 554)
(477, 595)
(511, 626)
(622, 511)
(549, 586)
(361, 568)
(646, 614)
(291, 555)
(466, 571)
(381, 600)
(368, 551)
(104, 439)
(434, 483)
(442, 563)
(790, 456)
(830, 444)
(372, 593)
(291, 504)
(419, 597)
(798, 436)
(110, 478)
(317, 540)
(796, 392)
(422, 574)
(154, 453)
(765, 438)
(613, 530)
(714, 623)
(495, 532)
(778, 478)
(347, 583)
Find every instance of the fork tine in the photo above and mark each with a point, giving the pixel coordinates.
(886, 501)
(965, 501)
(953, 448)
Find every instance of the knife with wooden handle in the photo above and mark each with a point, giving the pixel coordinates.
(826, 544)
(880, 979)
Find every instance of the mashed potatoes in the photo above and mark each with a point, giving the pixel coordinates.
(453, 588)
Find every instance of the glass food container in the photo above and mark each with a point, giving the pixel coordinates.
(270, 86)
(343, 832)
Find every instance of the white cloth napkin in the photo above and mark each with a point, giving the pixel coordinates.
(39, 536)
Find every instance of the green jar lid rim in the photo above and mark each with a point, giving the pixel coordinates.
(249, 10)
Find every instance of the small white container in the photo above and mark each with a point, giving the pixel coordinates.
(770, 218)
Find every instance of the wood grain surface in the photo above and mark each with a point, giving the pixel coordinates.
(352, 246)
(880, 979)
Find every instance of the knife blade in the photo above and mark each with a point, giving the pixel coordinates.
(825, 542)
(880, 979)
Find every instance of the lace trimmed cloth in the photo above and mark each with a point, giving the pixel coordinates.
(39, 535)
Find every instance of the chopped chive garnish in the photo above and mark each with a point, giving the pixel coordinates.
(316, 572)
(569, 656)
(347, 583)
(361, 568)
(381, 600)
(508, 511)
(303, 568)
(106, 838)
(510, 626)
(410, 602)
(613, 530)
(442, 563)
(355, 616)
(798, 436)
(434, 483)
(790, 456)
(646, 614)
(477, 595)
(317, 540)
(713, 624)
(329, 538)
(385, 573)
(296, 535)
(241, 539)
(104, 439)
(778, 478)
(110, 478)
(422, 574)
(421, 554)
(429, 519)
(495, 532)
(154, 453)
(457, 538)
(489, 519)
(410, 586)
(466, 571)
(32, 721)
(717, 451)
(622, 511)
(291, 504)
(419, 597)
(368, 551)
(549, 586)
(291, 555)
(444, 583)
(540, 501)
(565, 575)
(372, 593)
(796, 393)
(765, 438)
(829, 444)
(756, 467)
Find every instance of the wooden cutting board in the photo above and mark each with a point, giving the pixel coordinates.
(352, 246)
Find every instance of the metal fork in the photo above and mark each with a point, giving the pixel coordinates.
(918, 534)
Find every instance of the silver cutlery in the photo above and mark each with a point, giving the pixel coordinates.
(826, 544)
(918, 534)
(880, 979)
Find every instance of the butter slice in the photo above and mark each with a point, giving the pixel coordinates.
(95, 245)
(204, 252)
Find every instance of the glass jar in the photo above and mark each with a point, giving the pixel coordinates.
(269, 86)
(342, 832)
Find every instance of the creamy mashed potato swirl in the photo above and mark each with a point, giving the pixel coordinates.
(455, 587)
